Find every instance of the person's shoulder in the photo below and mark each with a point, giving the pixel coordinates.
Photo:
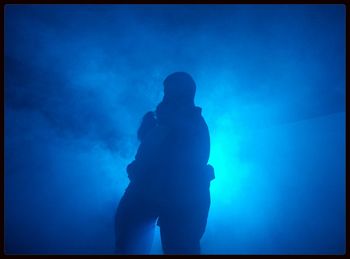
(200, 118)
(201, 125)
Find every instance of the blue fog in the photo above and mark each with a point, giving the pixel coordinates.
(270, 80)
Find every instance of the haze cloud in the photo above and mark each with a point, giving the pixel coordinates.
(270, 80)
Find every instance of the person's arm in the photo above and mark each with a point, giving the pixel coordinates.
(148, 154)
(148, 123)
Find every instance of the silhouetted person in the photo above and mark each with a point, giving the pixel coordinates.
(169, 178)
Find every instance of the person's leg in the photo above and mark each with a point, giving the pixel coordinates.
(135, 223)
(182, 226)
(178, 238)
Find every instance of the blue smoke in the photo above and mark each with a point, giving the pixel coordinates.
(270, 80)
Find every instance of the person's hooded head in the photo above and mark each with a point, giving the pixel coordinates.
(179, 89)
(178, 100)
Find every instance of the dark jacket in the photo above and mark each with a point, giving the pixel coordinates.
(173, 154)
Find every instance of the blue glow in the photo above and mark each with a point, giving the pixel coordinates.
(270, 80)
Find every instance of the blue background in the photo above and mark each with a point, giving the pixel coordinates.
(270, 80)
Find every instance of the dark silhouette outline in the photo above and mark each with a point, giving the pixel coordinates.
(169, 178)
